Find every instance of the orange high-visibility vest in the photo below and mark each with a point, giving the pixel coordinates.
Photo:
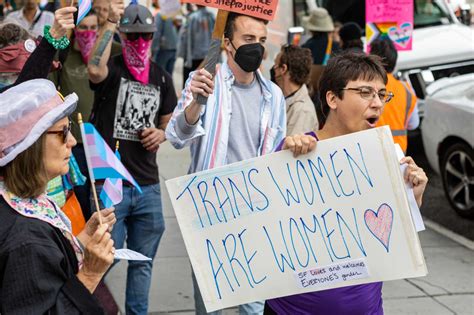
(397, 112)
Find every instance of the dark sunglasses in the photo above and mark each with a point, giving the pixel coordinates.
(64, 133)
(136, 36)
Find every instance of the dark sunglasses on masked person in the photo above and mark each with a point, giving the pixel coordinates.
(135, 36)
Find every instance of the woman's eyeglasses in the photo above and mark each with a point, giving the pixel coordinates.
(64, 133)
(368, 93)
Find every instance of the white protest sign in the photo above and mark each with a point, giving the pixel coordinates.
(276, 226)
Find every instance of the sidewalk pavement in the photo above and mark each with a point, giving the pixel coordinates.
(448, 288)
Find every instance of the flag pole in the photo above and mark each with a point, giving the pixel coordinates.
(91, 174)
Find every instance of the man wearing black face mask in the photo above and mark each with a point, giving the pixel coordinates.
(244, 116)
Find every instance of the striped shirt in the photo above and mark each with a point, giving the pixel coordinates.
(209, 138)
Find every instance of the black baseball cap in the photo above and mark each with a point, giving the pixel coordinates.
(137, 19)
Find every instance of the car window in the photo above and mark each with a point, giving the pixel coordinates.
(415, 76)
(431, 13)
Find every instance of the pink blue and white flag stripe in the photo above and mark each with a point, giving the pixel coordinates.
(111, 193)
(84, 7)
(101, 161)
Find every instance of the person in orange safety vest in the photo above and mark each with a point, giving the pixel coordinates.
(401, 113)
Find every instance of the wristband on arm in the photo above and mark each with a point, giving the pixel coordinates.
(61, 43)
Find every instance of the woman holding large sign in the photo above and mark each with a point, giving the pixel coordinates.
(353, 95)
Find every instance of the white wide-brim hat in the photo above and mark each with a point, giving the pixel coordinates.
(318, 20)
(26, 112)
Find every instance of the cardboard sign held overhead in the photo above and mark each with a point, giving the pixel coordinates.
(263, 9)
(276, 226)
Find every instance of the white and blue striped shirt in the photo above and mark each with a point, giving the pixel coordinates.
(209, 138)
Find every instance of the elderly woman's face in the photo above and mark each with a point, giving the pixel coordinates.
(57, 149)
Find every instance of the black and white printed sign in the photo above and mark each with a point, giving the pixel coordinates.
(137, 107)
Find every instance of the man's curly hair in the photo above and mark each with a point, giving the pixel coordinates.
(299, 61)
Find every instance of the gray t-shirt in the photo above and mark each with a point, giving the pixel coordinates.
(244, 129)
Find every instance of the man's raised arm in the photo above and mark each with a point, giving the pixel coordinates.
(100, 55)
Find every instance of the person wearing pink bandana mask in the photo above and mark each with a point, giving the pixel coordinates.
(136, 53)
(73, 77)
(85, 40)
(134, 100)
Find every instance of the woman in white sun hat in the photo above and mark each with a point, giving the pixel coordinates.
(43, 267)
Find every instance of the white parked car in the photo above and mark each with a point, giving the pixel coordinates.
(448, 138)
(442, 47)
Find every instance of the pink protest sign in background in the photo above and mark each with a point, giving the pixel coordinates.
(263, 9)
(392, 19)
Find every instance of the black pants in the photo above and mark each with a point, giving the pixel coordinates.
(187, 71)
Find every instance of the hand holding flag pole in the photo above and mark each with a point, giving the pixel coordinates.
(212, 58)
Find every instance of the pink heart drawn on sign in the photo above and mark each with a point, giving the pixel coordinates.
(380, 223)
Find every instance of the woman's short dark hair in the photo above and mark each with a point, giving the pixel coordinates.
(385, 49)
(345, 67)
(25, 176)
(298, 61)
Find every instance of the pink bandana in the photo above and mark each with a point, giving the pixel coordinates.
(137, 58)
(85, 41)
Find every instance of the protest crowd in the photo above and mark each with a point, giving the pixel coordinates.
(87, 98)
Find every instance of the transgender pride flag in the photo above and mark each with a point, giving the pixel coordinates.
(111, 193)
(84, 8)
(101, 161)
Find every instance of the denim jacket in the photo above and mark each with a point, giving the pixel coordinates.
(209, 140)
(197, 36)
